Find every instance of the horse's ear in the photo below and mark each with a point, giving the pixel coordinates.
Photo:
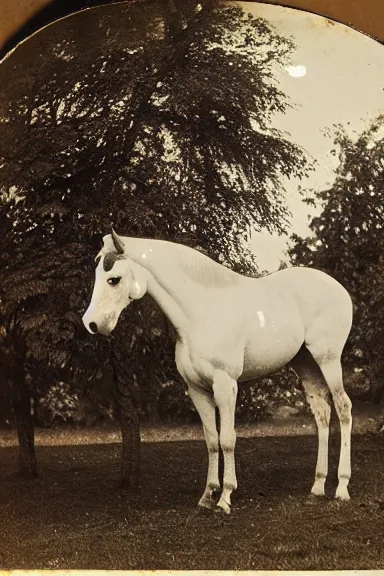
(138, 289)
(118, 244)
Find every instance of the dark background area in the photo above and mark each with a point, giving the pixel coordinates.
(57, 9)
(15, 25)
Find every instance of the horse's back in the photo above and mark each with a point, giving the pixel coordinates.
(309, 283)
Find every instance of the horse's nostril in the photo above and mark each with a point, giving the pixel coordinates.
(93, 327)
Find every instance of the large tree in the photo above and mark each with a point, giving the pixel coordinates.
(153, 116)
(348, 241)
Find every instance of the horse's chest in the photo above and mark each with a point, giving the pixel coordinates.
(188, 367)
(197, 361)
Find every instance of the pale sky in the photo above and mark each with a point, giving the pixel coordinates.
(344, 82)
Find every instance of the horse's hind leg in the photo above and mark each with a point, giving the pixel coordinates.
(318, 397)
(330, 366)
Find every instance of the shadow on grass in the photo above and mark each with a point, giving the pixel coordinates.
(74, 516)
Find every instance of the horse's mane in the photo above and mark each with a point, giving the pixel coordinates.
(196, 265)
(202, 269)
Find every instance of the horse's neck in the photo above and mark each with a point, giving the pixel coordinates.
(169, 284)
(156, 261)
(175, 265)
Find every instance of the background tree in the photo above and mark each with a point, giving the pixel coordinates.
(153, 116)
(348, 242)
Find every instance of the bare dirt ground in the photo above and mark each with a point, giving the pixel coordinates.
(74, 516)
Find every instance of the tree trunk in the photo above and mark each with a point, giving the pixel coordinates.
(24, 422)
(130, 449)
(127, 412)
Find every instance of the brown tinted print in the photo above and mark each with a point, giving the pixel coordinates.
(169, 406)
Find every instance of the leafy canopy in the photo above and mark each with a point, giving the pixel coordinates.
(153, 117)
(348, 240)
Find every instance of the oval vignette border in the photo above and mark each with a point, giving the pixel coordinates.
(367, 19)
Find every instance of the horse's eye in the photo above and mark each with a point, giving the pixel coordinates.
(113, 281)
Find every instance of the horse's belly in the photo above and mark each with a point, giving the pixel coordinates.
(259, 362)
(270, 350)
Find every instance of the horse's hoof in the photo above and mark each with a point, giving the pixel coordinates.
(342, 495)
(207, 503)
(310, 499)
(318, 487)
(314, 494)
(222, 505)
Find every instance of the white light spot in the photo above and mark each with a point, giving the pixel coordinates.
(143, 256)
(261, 318)
(296, 71)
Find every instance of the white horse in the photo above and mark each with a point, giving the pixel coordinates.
(234, 328)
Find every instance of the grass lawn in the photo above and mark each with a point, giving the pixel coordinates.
(74, 516)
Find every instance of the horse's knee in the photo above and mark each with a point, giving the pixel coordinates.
(212, 440)
(225, 394)
(228, 440)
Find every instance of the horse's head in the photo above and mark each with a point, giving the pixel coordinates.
(116, 286)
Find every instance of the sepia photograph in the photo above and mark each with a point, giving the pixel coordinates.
(191, 289)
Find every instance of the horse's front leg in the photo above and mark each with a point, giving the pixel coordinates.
(225, 394)
(206, 408)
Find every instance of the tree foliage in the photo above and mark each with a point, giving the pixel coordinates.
(348, 241)
(153, 117)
